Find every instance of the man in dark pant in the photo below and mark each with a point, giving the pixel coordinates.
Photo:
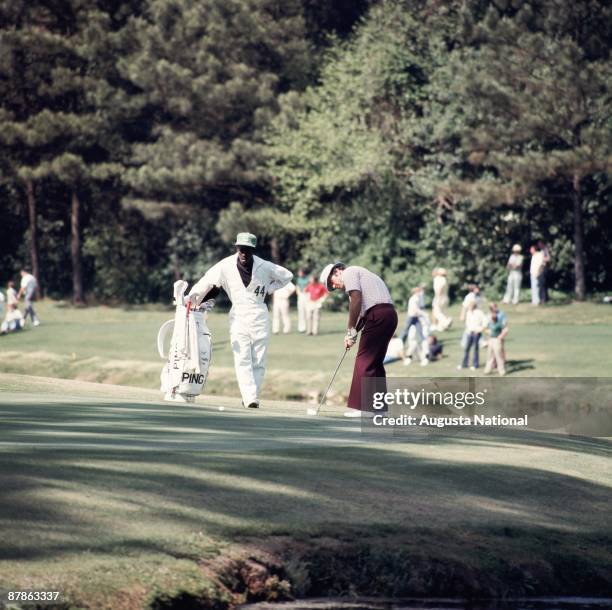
(380, 324)
(369, 303)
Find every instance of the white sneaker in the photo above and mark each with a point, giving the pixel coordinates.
(36, 323)
(352, 413)
(407, 361)
(472, 368)
(424, 362)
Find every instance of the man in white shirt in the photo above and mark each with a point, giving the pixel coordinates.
(414, 314)
(280, 309)
(536, 268)
(27, 289)
(370, 309)
(440, 321)
(247, 280)
(515, 276)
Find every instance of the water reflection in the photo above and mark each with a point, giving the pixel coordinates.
(539, 603)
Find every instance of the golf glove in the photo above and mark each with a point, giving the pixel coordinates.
(350, 338)
(208, 305)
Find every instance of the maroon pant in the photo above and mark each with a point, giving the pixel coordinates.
(380, 324)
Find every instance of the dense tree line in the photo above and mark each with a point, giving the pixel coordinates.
(139, 136)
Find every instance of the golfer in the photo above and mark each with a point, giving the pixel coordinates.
(371, 309)
(247, 280)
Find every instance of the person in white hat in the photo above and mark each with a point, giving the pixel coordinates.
(515, 276)
(280, 309)
(371, 310)
(247, 280)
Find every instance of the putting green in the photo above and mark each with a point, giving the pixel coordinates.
(108, 491)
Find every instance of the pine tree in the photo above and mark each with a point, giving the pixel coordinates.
(525, 104)
(60, 109)
(210, 71)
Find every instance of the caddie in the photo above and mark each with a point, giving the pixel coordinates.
(371, 310)
(247, 280)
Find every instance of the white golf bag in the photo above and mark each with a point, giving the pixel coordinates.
(185, 372)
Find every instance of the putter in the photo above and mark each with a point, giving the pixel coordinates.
(316, 411)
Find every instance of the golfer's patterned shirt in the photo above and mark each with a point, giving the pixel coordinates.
(373, 290)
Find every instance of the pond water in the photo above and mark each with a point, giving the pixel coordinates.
(535, 603)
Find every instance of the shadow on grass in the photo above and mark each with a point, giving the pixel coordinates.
(126, 478)
(514, 366)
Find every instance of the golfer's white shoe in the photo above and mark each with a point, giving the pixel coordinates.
(36, 323)
(424, 362)
(407, 361)
(352, 413)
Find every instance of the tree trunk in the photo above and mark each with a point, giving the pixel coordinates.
(580, 284)
(33, 232)
(275, 251)
(75, 249)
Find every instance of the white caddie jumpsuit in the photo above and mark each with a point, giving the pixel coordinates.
(249, 319)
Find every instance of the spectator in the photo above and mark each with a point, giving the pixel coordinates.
(536, 269)
(280, 308)
(515, 276)
(28, 289)
(440, 321)
(497, 328)
(300, 283)
(544, 276)
(11, 293)
(13, 321)
(316, 293)
(475, 323)
(473, 295)
(418, 347)
(395, 350)
(414, 313)
(435, 348)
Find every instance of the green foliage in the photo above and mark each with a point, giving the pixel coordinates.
(429, 134)
(210, 72)
(483, 125)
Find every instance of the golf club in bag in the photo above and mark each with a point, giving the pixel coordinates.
(186, 369)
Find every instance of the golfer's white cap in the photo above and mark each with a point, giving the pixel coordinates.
(326, 275)
(246, 239)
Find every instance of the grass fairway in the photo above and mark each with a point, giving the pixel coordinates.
(115, 345)
(121, 501)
